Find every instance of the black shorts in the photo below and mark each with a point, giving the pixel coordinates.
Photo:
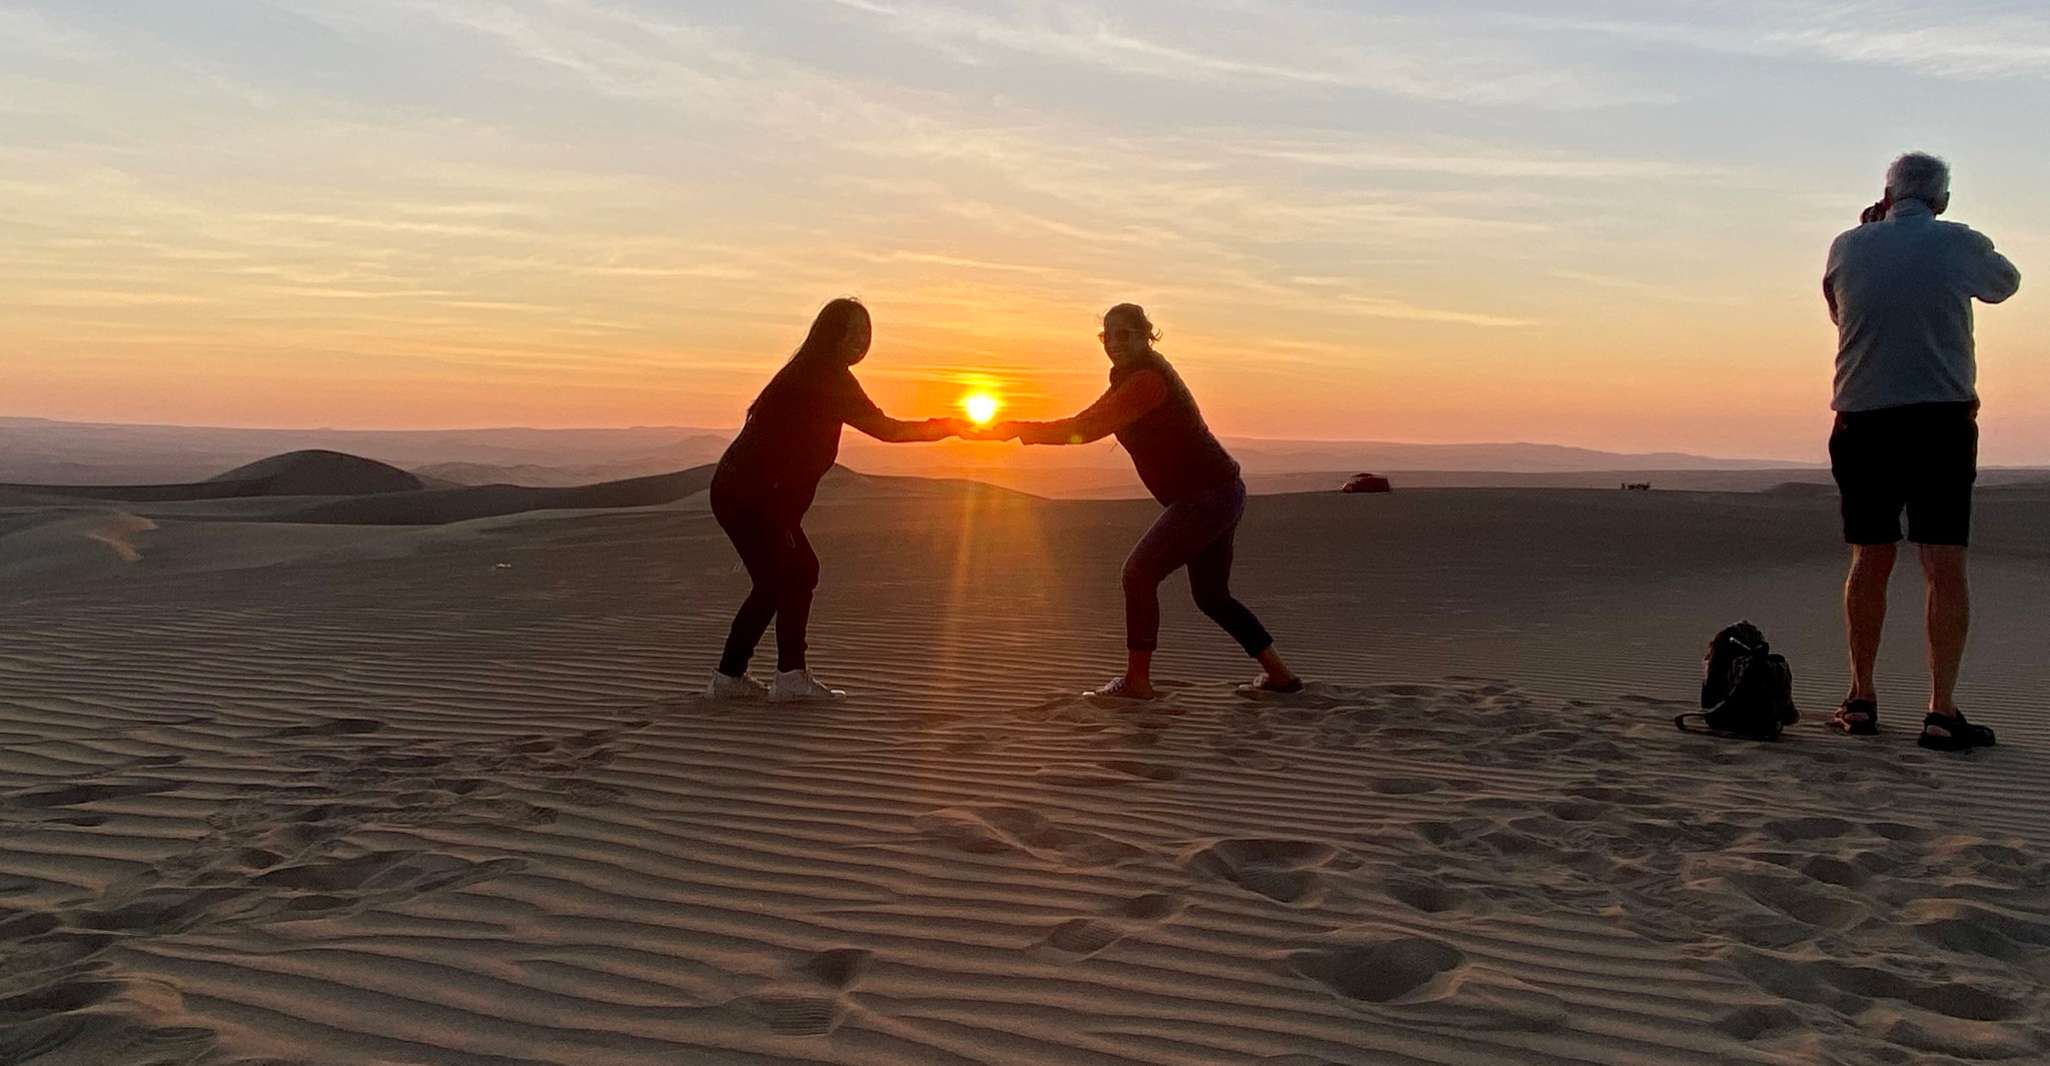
(1922, 458)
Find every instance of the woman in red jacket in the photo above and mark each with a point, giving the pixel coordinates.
(1152, 414)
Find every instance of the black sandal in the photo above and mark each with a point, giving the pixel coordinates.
(1950, 732)
(1859, 718)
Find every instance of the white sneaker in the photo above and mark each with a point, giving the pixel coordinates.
(743, 687)
(1119, 689)
(798, 686)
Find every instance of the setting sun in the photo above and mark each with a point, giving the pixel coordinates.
(981, 407)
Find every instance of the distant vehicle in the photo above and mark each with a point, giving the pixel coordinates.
(1367, 483)
(1637, 486)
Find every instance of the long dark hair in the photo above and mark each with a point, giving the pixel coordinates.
(821, 353)
(829, 332)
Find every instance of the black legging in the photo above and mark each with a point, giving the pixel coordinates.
(1196, 532)
(785, 571)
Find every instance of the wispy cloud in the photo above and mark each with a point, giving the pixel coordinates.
(84, 297)
(24, 31)
(1639, 287)
(1954, 41)
(1467, 160)
(1276, 45)
(1384, 307)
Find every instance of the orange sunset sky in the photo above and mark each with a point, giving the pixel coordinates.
(1599, 225)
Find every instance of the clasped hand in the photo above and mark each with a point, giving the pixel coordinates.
(966, 430)
(995, 431)
(970, 431)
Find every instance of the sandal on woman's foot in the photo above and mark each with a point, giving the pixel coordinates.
(1267, 686)
(1950, 732)
(1859, 718)
(1120, 689)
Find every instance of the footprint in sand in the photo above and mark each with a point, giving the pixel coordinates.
(49, 822)
(1849, 988)
(1082, 938)
(1834, 871)
(1954, 999)
(1400, 969)
(163, 910)
(1286, 871)
(60, 1029)
(43, 798)
(995, 830)
(251, 886)
(1758, 1021)
(812, 1000)
(1976, 929)
(60, 998)
(1431, 981)
(1791, 830)
(1819, 907)
(1429, 895)
(45, 950)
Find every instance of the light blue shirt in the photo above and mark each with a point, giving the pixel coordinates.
(1900, 291)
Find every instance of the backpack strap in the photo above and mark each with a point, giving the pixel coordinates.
(1680, 723)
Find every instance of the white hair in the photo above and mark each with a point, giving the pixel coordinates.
(1919, 176)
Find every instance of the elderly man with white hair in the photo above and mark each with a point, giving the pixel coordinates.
(1900, 289)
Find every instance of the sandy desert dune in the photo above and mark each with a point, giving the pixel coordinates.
(283, 782)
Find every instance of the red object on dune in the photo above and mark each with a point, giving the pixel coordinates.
(1368, 483)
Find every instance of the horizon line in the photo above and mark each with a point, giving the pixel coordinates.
(727, 431)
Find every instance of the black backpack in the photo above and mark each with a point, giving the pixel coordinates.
(1746, 690)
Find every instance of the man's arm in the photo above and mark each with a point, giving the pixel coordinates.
(1829, 278)
(1114, 410)
(1993, 277)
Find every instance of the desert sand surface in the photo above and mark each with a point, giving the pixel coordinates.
(274, 791)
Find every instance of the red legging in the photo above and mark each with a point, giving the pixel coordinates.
(1197, 533)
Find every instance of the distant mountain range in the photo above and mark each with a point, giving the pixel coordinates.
(80, 453)
(50, 452)
(46, 452)
(319, 487)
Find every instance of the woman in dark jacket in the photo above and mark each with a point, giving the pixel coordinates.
(766, 480)
(1153, 415)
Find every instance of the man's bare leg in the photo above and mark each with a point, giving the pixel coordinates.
(1949, 615)
(1865, 612)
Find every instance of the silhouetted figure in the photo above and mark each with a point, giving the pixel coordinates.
(765, 483)
(1900, 289)
(1154, 416)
